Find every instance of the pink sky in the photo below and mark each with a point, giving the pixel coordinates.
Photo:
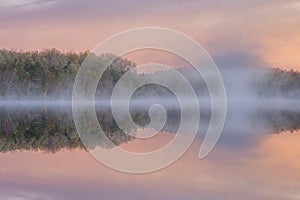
(253, 32)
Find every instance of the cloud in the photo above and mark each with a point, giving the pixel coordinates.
(35, 3)
(13, 4)
(233, 32)
(24, 196)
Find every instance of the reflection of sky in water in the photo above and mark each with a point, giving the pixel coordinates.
(267, 170)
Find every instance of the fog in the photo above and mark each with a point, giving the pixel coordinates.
(255, 105)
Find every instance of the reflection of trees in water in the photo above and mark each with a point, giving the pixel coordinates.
(37, 130)
(273, 122)
(50, 74)
(49, 131)
(280, 120)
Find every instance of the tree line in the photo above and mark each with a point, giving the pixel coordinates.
(51, 73)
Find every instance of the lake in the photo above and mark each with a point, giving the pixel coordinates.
(42, 157)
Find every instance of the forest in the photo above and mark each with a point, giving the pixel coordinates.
(50, 74)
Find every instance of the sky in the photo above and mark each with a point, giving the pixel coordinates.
(246, 32)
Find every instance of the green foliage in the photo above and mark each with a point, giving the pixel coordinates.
(50, 72)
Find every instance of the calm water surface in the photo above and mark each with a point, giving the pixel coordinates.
(42, 158)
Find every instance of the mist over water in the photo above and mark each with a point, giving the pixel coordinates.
(38, 130)
(36, 96)
(252, 107)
